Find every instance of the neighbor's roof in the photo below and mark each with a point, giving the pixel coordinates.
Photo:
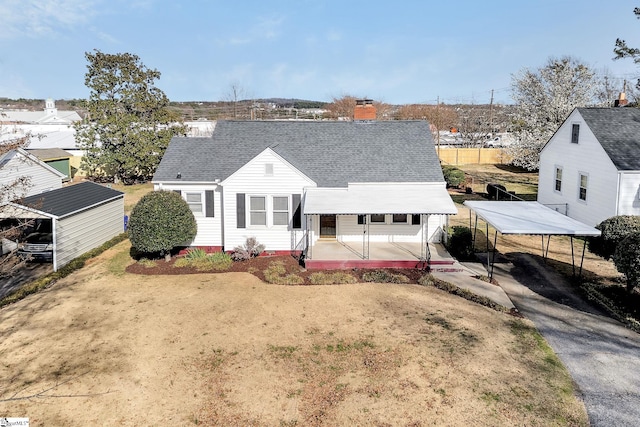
(528, 218)
(618, 131)
(331, 153)
(402, 198)
(50, 153)
(72, 199)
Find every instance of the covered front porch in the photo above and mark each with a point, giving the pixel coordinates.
(376, 226)
(334, 254)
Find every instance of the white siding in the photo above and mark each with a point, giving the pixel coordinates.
(41, 177)
(86, 230)
(257, 179)
(587, 157)
(629, 194)
(209, 228)
(348, 229)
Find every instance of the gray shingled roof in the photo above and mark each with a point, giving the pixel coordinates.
(331, 153)
(618, 131)
(74, 198)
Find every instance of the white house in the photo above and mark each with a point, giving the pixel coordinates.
(296, 186)
(590, 168)
(17, 164)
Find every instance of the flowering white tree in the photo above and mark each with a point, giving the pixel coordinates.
(544, 98)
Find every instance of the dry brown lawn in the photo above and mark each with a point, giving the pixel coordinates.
(105, 347)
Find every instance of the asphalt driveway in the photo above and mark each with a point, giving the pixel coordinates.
(602, 356)
(29, 272)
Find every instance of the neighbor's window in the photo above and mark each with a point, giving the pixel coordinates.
(377, 218)
(575, 133)
(280, 210)
(583, 187)
(558, 179)
(400, 218)
(257, 210)
(194, 200)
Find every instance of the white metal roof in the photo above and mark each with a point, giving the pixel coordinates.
(397, 198)
(528, 218)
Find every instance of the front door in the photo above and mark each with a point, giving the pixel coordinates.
(328, 226)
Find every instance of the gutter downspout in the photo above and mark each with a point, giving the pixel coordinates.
(617, 212)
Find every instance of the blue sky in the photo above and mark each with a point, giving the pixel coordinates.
(396, 52)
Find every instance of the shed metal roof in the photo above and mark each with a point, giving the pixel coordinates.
(69, 200)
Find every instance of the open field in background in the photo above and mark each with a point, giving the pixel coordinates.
(520, 181)
(103, 346)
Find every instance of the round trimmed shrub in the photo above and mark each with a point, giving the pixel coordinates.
(460, 243)
(161, 221)
(613, 230)
(627, 259)
(453, 176)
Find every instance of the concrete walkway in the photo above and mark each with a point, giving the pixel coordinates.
(602, 356)
(462, 275)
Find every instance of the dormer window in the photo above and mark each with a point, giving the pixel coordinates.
(575, 133)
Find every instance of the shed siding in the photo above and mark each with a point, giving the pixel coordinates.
(42, 179)
(586, 157)
(258, 179)
(629, 200)
(86, 230)
(209, 228)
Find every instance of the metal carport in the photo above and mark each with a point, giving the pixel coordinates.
(530, 218)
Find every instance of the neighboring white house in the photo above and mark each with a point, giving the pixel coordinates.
(590, 168)
(294, 184)
(17, 164)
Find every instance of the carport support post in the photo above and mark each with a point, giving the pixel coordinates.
(493, 258)
(55, 246)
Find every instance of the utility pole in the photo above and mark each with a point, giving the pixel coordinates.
(438, 123)
(491, 114)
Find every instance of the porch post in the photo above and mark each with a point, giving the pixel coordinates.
(309, 238)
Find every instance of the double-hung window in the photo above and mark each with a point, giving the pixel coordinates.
(258, 210)
(399, 218)
(377, 219)
(194, 200)
(582, 194)
(575, 133)
(280, 210)
(558, 179)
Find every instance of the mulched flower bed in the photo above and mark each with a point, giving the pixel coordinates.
(256, 266)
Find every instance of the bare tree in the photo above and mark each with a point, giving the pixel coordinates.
(10, 189)
(341, 108)
(440, 116)
(234, 96)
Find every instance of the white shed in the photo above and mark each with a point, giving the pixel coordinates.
(83, 216)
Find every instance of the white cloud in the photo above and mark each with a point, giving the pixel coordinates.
(33, 18)
(266, 27)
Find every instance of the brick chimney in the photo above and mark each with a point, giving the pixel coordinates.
(622, 98)
(364, 110)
